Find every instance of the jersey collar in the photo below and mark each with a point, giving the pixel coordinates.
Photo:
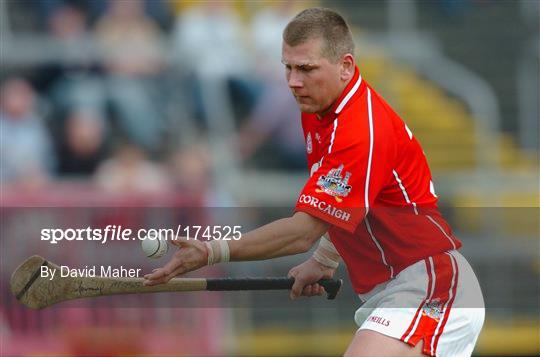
(350, 90)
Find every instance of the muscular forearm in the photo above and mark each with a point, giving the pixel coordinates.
(285, 236)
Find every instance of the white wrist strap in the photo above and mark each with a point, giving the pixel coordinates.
(326, 254)
(218, 251)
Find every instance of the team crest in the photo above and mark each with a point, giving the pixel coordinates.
(334, 184)
(433, 309)
(309, 144)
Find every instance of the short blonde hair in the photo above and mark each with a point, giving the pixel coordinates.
(321, 23)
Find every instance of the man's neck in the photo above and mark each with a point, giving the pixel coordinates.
(322, 114)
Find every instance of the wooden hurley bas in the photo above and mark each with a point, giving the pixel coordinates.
(37, 292)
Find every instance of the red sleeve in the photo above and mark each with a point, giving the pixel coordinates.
(357, 167)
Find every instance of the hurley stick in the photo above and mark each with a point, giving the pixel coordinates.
(37, 292)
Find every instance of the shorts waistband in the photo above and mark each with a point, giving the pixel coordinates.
(377, 289)
(380, 287)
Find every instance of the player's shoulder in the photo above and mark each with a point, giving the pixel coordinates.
(368, 116)
(382, 107)
(373, 107)
(368, 106)
(366, 99)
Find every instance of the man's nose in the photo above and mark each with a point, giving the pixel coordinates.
(295, 80)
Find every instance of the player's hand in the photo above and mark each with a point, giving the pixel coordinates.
(190, 256)
(305, 277)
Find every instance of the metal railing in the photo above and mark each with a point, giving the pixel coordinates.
(422, 53)
(528, 85)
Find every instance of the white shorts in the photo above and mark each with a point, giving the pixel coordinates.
(437, 300)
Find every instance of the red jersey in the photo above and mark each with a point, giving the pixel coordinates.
(370, 180)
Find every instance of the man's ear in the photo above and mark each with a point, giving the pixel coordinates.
(347, 67)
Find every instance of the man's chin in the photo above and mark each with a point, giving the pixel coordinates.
(308, 109)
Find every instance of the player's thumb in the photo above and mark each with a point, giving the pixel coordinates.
(297, 288)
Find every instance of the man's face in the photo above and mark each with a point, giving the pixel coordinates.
(314, 81)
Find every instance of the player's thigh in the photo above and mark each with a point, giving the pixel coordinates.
(367, 343)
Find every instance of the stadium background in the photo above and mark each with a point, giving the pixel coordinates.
(112, 110)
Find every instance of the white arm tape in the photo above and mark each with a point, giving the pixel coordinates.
(326, 254)
(218, 251)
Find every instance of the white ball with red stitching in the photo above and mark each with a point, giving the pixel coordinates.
(154, 246)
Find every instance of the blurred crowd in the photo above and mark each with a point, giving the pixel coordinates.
(135, 117)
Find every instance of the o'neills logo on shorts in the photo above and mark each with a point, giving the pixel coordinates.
(325, 207)
(379, 320)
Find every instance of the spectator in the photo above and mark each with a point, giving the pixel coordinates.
(275, 113)
(67, 23)
(75, 85)
(275, 117)
(82, 146)
(130, 171)
(208, 40)
(134, 64)
(159, 10)
(26, 148)
(266, 29)
(209, 36)
(191, 170)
